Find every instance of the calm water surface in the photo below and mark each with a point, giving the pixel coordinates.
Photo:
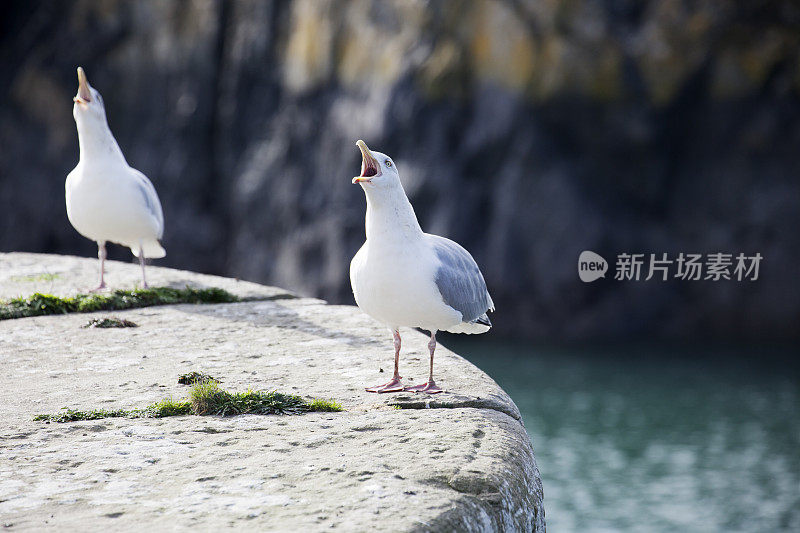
(650, 439)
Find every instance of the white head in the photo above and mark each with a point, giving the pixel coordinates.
(94, 136)
(88, 109)
(388, 208)
(379, 177)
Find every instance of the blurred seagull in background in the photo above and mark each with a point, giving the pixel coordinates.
(107, 200)
(404, 277)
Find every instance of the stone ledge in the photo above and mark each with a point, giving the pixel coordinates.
(460, 460)
(22, 274)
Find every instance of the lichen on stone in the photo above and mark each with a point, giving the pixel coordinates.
(110, 322)
(192, 378)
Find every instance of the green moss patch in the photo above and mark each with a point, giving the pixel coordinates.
(207, 399)
(192, 378)
(35, 277)
(46, 304)
(325, 406)
(110, 322)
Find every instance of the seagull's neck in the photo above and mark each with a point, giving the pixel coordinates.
(390, 217)
(97, 143)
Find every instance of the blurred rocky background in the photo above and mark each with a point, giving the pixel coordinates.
(527, 130)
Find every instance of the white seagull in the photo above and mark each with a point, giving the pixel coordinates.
(404, 277)
(107, 200)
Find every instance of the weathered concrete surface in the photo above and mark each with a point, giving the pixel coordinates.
(469, 467)
(22, 274)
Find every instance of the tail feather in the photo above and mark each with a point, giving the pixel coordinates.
(152, 250)
(482, 324)
(484, 319)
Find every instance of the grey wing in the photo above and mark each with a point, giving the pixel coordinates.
(460, 281)
(150, 198)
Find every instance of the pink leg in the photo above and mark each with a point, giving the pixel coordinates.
(101, 255)
(430, 387)
(141, 262)
(395, 385)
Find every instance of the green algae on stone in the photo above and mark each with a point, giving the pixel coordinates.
(164, 408)
(206, 399)
(192, 378)
(110, 322)
(325, 406)
(35, 277)
(72, 415)
(46, 304)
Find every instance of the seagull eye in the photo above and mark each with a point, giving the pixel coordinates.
(388, 163)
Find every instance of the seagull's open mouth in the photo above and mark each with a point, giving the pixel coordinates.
(368, 168)
(84, 94)
(369, 165)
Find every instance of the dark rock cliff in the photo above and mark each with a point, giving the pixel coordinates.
(527, 131)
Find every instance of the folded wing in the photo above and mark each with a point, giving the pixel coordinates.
(461, 283)
(150, 199)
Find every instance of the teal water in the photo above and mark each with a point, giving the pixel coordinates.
(667, 439)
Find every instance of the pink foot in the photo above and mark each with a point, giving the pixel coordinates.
(99, 287)
(393, 386)
(429, 387)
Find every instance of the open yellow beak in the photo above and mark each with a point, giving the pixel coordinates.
(369, 165)
(84, 94)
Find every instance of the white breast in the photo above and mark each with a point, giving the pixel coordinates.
(104, 204)
(394, 283)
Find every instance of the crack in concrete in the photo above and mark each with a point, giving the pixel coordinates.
(462, 403)
(274, 297)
